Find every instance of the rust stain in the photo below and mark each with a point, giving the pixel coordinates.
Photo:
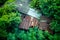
(30, 21)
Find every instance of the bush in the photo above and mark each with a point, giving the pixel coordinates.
(6, 9)
(2, 2)
(50, 8)
(57, 36)
(34, 4)
(9, 18)
(31, 34)
(55, 26)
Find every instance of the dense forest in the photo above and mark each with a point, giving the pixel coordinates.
(10, 19)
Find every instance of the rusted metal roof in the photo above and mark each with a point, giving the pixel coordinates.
(28, 21)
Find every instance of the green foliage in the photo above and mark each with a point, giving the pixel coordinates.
(56, 36)
(27, 35)
(31, 34)
(3, 33)
(51, 9)
(48, 7)
(55, 26)
(7, 9)
(34, 3)
(9, 18)
(2, 2)
(11, 36)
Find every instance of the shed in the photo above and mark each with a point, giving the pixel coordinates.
(31, 17)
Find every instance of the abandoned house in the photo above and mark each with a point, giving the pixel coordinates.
(31, 17)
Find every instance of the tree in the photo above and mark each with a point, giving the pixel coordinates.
(9, 18)
(50, 8)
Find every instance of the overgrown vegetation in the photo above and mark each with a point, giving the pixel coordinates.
(9, 19)
(2, 2)
(31, 34)
(51, 9)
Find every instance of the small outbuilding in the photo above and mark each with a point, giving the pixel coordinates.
(31, 17)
